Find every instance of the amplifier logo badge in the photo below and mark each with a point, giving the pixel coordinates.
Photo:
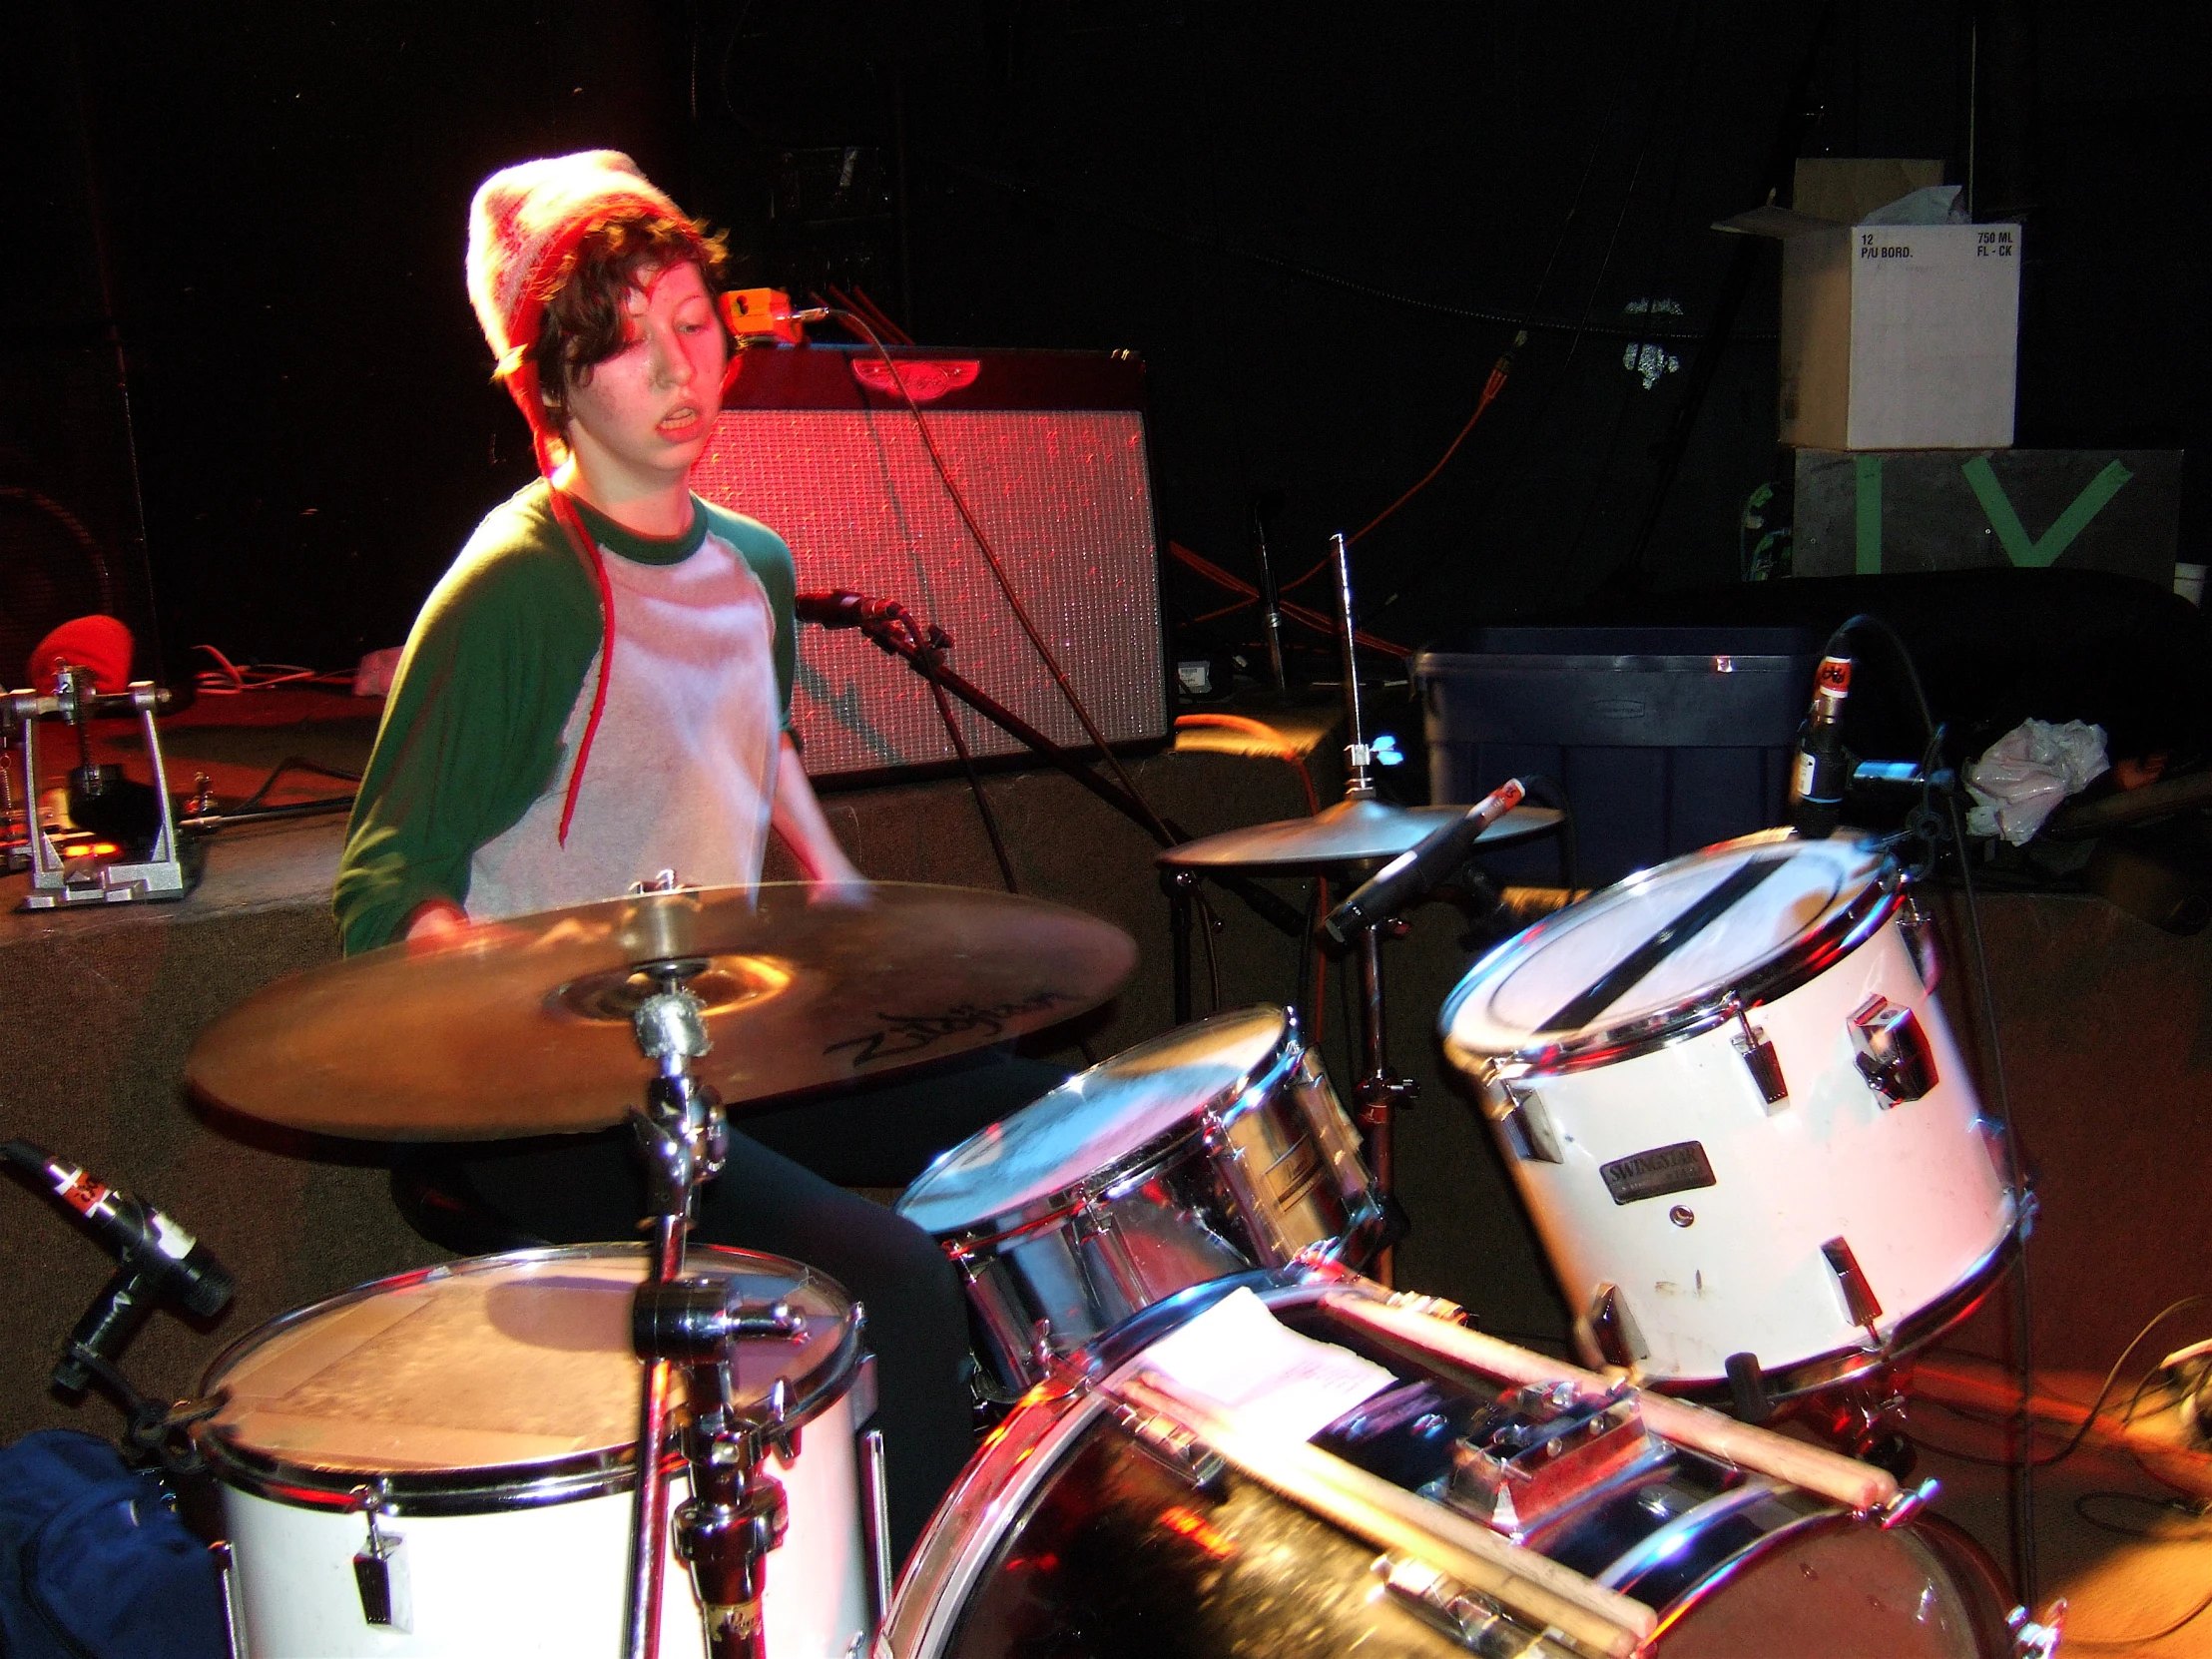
(1653, 1174)
(925, 378)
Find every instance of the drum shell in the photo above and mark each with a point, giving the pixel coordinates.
(1269, 1175)
(546, 1580)
(527, 1557)
(1915, 1189)
(1753, 1569)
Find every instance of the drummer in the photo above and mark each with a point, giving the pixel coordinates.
(599, 690)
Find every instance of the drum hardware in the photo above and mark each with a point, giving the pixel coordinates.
(1527, 1125)
(161, 875)
(1611, 1331)
(380, 1566)
(1210, 1151)
(1860, 1306)
(1544, 1448)
(2033, 1640)
(1759, 1058)
(1892, 1053)
(1467, 1619)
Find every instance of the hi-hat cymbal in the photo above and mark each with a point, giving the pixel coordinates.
(1357, 830)
(524, 1027)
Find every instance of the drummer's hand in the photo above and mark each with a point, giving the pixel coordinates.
(439, 924)
(434, 919)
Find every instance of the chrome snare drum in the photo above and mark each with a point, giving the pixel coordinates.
(470, 1432)
(1734, 1107)
(1217, 1148)
(1500, 1510)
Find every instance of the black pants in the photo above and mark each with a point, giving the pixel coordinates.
(587, 1189)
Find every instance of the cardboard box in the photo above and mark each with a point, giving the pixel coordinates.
(1894, 334)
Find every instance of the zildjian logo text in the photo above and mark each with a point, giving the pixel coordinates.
(905, 1034)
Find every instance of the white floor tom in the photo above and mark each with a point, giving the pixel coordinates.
(487, 1410)
(1215, 1149)
(1737, 1115)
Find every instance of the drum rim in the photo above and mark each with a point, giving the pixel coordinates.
(1912, 1334)
(1140, 1163)
(1798, 961)
(490, 1489)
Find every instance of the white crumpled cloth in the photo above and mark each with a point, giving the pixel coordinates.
(2021, 779)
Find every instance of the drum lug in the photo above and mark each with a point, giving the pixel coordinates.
(1899, 1511)
(1759, 1057)
(1860, 1306)
(380, 1566)
(1918, 931)
(1527, 1127)
(1443, 1604)
(1173, 1444)
(1892, 1051)
(2032, 1640)
(1610, 1332)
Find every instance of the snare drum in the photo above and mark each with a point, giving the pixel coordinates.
(1736, 1113)
(1215, 1149)
(487, 1411)
(1089, 1526)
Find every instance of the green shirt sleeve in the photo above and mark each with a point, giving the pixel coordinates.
(769, 557)
(471, 733)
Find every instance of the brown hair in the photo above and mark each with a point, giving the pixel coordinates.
(584, 309)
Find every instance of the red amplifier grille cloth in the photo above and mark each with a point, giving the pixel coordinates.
(1067, 502)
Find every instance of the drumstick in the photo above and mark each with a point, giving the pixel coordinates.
(1593, 1618)
(1842, 1479)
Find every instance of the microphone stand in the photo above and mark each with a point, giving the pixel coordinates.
(898, 634)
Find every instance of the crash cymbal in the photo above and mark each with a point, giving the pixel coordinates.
(523, 1027)
(1357, 830)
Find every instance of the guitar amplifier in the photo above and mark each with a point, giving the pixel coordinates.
(1048, 449)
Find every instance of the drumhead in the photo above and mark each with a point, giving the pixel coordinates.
(1095, 1119)
(1789, 894)
(490, 1376)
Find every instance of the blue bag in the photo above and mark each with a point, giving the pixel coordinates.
(95, 1564)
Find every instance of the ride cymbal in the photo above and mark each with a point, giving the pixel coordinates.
(523, 1027)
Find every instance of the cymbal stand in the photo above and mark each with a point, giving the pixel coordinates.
(735, 1514)
(1379, 1091)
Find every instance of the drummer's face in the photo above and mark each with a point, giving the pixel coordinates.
(642, 416)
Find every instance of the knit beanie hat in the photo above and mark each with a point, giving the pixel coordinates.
(528, 219)
(525, 222)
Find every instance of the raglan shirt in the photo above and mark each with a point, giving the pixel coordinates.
(465, 790)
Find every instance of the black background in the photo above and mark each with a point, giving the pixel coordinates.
(1318, 224)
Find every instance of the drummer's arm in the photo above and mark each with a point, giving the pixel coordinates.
(797, 817)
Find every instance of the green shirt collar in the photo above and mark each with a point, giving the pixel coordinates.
(643, 550)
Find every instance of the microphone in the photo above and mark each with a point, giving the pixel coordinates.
(840, 608)
(1411, 875)
(1823, 768)
(157, 1258)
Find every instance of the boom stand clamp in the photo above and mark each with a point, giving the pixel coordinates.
(736, 1513)
(157, 876)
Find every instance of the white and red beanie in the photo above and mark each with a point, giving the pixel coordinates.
(525, 222)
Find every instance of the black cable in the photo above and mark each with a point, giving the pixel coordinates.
(2173, 1506)
(1207, 923)
(2096, 1407)
(2125, 1644)
(860, 325)
(291, 762)
(1577, 327)
(975, 786)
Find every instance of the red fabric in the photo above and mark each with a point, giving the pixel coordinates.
(99, 643)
